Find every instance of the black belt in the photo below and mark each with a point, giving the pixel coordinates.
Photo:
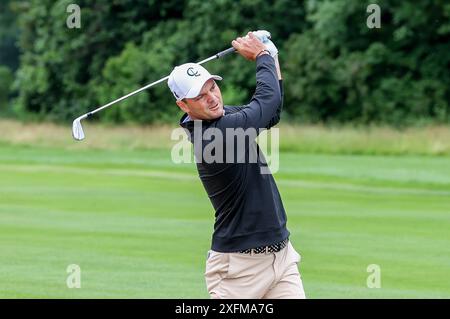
(266, 249)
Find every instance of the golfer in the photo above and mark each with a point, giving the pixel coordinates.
(251, 255)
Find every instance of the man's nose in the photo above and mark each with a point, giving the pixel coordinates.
(211, 97)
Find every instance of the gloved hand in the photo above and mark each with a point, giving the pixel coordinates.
(264, 37)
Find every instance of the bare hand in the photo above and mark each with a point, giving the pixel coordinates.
(249, 47)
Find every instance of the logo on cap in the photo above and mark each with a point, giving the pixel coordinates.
(191, 72)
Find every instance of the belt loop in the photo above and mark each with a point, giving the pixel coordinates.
(267, 250)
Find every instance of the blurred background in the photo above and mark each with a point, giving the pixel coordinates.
(364, 140)
(336, 68)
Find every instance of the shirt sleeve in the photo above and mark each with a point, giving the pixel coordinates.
(266, 101)
(276, 118)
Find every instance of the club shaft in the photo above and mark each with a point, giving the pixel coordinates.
(128, 95)
(216, 56)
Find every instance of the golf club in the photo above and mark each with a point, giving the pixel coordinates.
(77, 129)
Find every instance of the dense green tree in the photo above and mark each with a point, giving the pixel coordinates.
(9, 34)
(336, 69)
(340, 70)
(61, 67)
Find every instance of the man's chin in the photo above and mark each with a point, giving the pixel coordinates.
(217, 113)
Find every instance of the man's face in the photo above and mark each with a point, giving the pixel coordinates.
(208, 105)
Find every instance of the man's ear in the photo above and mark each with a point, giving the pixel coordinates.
(183, 106)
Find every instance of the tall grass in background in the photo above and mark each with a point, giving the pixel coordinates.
(429, 140)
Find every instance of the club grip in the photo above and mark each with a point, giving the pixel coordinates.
(225, 52)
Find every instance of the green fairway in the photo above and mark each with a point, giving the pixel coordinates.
(139, 226)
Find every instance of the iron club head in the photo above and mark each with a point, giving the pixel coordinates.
(77, 129)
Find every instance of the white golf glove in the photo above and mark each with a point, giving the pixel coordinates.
(264, 37)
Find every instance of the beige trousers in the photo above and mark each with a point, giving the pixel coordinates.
(256, 276)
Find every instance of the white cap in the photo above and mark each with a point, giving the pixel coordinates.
(187, 80)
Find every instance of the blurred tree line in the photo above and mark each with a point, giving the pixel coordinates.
(335, 68)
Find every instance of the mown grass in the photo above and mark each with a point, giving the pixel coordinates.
(139, 225)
